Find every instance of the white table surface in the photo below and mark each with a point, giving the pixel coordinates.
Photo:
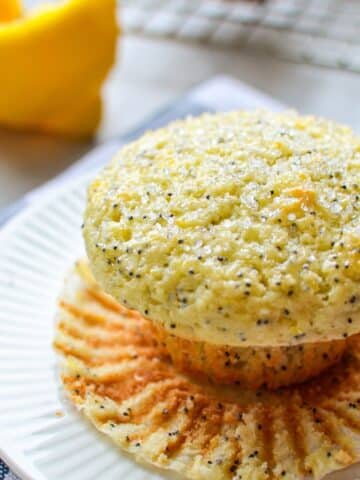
(149, 73)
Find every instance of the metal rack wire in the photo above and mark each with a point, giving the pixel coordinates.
(319, 32)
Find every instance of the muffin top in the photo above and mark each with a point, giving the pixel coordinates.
(235, 228)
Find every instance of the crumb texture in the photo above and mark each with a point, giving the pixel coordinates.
(234, 228)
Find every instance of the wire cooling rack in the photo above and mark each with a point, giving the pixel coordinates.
(320, 32)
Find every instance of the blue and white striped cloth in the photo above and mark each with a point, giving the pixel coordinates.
(217, 94)
(5, 473)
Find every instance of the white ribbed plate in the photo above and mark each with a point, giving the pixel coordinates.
(36, 250)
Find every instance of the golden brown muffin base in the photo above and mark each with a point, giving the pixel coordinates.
(253, 367)
(121, 379)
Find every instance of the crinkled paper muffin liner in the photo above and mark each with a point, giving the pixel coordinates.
(118, 374)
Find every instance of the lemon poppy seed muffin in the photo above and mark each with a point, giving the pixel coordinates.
(233, 233)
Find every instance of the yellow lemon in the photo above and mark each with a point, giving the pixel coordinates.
(52, 66)
(9, 10)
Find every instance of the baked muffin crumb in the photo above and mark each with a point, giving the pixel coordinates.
(225, 222)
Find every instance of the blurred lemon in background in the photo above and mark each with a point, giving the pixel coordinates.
(9, 10)
(53, 62)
